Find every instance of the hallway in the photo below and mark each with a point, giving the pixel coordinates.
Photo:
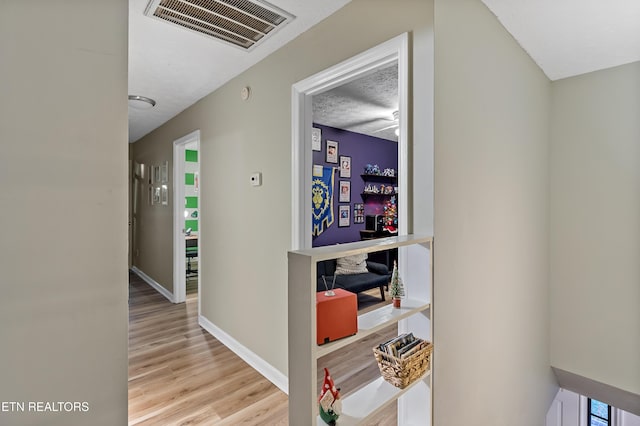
(179, 374)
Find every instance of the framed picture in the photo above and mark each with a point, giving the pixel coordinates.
(156, 174)
(345, 191)
(332, 152)
(164, 172)
(164, 195)
(343, 216)
(358, 213)
(316, 139)
(156, 196)
(345, 166)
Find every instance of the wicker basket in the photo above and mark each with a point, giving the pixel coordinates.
(401, 372)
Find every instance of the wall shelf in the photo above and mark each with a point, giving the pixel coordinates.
(364, 195)
(379, 178)
(370, 400)
(415, 259)
(374, 321)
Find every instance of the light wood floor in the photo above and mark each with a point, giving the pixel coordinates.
(180, 375)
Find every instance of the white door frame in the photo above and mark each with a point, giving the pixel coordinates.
(396, 49)
(179, 256)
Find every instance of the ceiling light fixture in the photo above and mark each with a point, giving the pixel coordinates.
(141, 102)
(396, 116)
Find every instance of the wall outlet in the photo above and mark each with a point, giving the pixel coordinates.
(256, 179)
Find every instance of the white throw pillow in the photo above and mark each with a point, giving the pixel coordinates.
(356, 264)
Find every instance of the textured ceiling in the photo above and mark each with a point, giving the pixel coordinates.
(571, 37)
(365, 105)
(177, 68)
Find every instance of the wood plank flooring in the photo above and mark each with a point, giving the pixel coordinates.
(180, 375)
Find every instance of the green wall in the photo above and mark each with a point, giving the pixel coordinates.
(191, 190)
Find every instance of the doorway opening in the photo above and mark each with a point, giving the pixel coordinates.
(187, 240)
(391, 55)
(355, 153)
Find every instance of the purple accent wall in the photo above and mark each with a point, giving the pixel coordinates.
(363, 150)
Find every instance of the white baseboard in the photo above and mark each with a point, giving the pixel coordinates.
(261, 366)
(153, 283)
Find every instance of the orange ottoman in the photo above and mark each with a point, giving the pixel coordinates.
(336, 316)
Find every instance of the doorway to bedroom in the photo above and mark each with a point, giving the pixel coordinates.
(187, 240)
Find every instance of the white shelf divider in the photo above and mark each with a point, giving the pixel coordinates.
(417, 252)
(370, 400)
(374, 321)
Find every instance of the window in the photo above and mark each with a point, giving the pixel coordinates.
(599, 413)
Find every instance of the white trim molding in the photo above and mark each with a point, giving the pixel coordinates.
(154, 284)
(260, 365)
(570, 409)
(394, 50)
(179, 256)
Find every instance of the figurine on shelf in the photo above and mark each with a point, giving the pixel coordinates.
(372, 169)
(368, 169)
(371, 189)
(389, 172)
(396, 289)
(329, 403)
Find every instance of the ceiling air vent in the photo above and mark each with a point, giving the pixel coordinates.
(242, 23)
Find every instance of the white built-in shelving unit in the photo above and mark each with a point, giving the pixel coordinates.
(415, 260)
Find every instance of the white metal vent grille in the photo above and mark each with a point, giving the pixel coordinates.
(242, 23)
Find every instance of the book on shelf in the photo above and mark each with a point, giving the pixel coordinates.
(402, 346)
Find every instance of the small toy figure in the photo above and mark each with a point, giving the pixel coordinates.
(371, 189)
(329, 402)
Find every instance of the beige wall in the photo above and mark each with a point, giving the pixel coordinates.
(63, 168)
(491, 298)
(595, 226)
(246, 231)
(63, 209)
(152, 248)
